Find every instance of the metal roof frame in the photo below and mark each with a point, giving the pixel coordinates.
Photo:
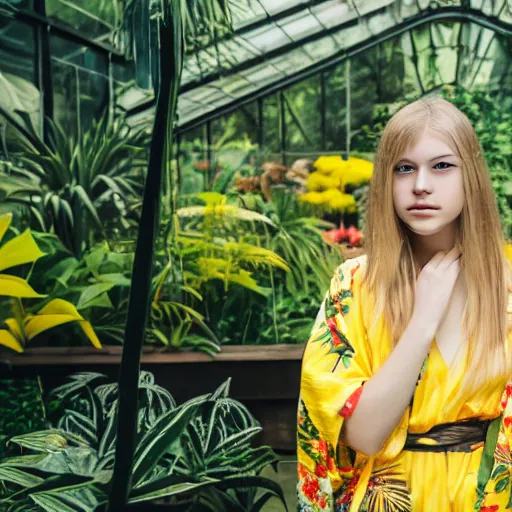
(446, 14)
(440, 14)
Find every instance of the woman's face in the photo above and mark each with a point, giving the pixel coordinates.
(430, 174)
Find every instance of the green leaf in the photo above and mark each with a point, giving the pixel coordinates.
(168, 486)
(502, 484)
(16, 476)
(91, 293)
(161, 438)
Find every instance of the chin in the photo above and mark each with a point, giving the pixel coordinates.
(425, 230)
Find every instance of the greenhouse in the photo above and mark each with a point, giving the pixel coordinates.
(179, 181)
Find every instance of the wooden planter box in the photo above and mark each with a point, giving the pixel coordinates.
(264, 378)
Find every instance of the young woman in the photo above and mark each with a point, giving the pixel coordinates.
(405, 375)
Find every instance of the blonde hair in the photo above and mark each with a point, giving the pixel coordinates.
(390, 273)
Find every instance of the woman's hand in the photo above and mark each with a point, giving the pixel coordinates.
(434, 288)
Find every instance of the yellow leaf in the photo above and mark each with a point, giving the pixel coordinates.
(14, 327)
(58, 312)
(60, 307)
(40, 323)
(19, 250)
(8, 340)
(12, 286)
(89, 332)
(5, 222)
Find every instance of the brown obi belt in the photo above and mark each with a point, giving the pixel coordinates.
(461, 436)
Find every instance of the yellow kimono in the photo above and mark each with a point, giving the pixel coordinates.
(339, 358)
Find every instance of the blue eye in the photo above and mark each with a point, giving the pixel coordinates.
(399, 167)
(444, 163)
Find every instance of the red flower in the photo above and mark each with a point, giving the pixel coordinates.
(331, 464)
(321, 471)
(507, 393)
(310, 488)
(331, 322)
(508, 421)
(351, 403)
(322, 502)
(301, 470)
(322, 449)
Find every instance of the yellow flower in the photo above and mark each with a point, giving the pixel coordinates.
(508, 251)
(338, 201)
(327, 164)
(357, 171)
(313, 197)
(57, 312)
(17, 251)
(317, 182)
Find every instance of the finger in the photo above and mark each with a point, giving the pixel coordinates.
(452, 255)
(436, 260)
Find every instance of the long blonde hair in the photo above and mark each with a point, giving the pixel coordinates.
(390, 273)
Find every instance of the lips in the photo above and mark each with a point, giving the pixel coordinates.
(417, 207)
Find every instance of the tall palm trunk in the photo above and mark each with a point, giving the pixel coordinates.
(171, 64)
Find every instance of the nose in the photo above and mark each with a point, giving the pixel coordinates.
(422, 184)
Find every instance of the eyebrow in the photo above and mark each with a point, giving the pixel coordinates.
(435, 158)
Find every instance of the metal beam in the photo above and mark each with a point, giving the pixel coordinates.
(250, 63)
(62, 30)
(451, 14)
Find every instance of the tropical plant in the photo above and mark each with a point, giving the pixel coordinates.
(24, 325)
(214, 245)
(177, 23)
(68, 184)
(99, 285)
(193, 453)
(298, 240)
(21, 409)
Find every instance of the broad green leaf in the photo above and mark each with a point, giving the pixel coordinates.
(46, 441)
(161, 438)
(92, 292)
(19, 477)
(167, 486)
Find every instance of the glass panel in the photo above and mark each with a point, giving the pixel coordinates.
(17, 49)
(331, 13)
(80, 83)
(126, 93)
(303, 124)
(92, 18)
(300, 25)
(192, 151)
(271, 124)
(17, 69)
(335, 112)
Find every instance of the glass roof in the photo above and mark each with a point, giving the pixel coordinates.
(271, 44)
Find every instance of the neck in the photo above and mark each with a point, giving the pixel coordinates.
(424, 247)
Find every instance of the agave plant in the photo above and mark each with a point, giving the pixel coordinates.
(194, 453)
(69, 184)
(24, 325)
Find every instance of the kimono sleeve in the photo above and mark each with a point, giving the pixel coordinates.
(336, 364)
